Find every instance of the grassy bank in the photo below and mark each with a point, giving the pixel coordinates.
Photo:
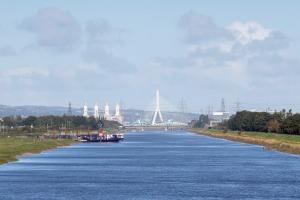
(12, 147)
(280, 142)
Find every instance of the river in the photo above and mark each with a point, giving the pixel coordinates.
(153, 165)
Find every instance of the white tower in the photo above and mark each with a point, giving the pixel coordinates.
(157, 110)
(106, 112)
(118, 116)
(117, 110)
(85, 110)
(96, 111)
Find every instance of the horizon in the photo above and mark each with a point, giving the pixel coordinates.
(101, 108)
(196, 52)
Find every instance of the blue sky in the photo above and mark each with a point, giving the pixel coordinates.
(52, 52)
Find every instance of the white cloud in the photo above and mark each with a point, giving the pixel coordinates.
(248, 32)
(209, 45)
(242, 58)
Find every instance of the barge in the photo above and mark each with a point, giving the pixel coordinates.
(100, 137)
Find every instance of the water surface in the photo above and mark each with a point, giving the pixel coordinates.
(153, 165)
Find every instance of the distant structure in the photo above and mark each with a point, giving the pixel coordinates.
(182, 106)
(182, 109)
(218, 117)
(210, 110)
(69, 113)
(157, 110)
(96, 111)
(85, 110)
(106, 112)
(270, 110)
(237, 106)
(222, 105)
(118, 116)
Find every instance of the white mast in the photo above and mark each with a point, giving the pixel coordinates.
(85, 110)
(96, 111)
(157, 110)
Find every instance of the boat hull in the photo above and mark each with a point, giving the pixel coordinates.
(97, 138)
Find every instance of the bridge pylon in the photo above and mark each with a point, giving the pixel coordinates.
(157, 110)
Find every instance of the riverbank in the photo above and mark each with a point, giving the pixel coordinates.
(281, 142)
(12, 147)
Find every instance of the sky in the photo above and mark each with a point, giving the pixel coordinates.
(198, 51)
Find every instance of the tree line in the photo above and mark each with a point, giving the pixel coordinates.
(31, 124)
(278, 122)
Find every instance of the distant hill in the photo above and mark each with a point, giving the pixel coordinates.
(33, 110)
(129, 115)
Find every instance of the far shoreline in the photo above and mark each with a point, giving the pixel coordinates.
(270, 141)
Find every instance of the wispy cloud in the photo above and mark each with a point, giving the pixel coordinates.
(54, 29)
(7, 50)
(209, 45)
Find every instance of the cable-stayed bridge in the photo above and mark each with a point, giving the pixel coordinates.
(157, 121)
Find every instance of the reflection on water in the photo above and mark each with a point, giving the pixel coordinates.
(154, 165)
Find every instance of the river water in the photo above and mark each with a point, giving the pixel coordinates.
(153, 165)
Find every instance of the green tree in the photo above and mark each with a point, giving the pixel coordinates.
(203, 120)
(31, 120)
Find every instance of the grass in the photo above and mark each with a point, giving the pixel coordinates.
(281, 142)
(11, 147)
